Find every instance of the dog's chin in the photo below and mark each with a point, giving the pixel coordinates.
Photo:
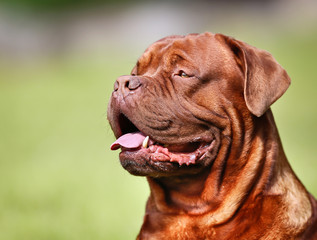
(158, 161)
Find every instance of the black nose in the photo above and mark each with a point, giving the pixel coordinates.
(125, 84)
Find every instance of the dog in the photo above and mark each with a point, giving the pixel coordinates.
(194, 117)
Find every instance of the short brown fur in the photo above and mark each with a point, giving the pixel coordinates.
(244, 188)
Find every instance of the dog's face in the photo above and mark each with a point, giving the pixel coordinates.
(180, 94)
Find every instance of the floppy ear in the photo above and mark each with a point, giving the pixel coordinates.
(265, 79)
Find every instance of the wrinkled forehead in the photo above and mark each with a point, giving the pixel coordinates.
(193, 47)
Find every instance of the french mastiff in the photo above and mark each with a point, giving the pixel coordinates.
(194, 118)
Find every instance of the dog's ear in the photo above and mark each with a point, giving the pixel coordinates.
(265, 79)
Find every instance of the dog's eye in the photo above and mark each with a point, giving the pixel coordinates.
(183, 74)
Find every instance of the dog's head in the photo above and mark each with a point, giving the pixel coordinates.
(171, 115)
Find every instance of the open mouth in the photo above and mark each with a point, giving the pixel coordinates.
(133, 140)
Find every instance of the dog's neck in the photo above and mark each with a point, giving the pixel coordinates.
(248, 167)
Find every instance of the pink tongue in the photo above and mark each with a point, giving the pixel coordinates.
(129, 140)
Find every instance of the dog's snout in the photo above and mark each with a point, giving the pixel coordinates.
(125, 84)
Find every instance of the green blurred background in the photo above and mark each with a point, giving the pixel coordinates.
(58, 63)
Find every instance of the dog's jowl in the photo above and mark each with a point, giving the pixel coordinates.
(194, 118)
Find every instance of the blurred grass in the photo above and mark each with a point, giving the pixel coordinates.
(58, 178)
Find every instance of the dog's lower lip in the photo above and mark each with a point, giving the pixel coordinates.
(179, 153)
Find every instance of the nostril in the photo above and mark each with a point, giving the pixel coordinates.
(124, 84)
(133, 84)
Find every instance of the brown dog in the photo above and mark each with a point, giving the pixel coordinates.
(194, 117)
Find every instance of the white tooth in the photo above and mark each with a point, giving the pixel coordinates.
(146, 142)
